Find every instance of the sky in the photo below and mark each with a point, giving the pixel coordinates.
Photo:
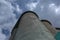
(10, 11)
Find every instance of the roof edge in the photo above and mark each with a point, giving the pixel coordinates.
(46, 21)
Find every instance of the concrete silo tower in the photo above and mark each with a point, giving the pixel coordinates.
(29, 27)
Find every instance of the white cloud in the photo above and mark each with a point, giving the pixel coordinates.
(51, 5)
(18, 9)
(2, 36)
(6, 12)
(54, 8)
(57, 10)
(32, 6)
(41, 7)
(7, 17)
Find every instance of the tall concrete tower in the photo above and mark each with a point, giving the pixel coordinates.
(29, 27)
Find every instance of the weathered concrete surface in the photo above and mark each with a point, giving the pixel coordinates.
(30, 28)
(49, 27)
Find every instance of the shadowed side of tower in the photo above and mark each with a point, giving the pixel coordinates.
(29, 27)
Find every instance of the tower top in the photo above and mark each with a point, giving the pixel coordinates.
(17, 23)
